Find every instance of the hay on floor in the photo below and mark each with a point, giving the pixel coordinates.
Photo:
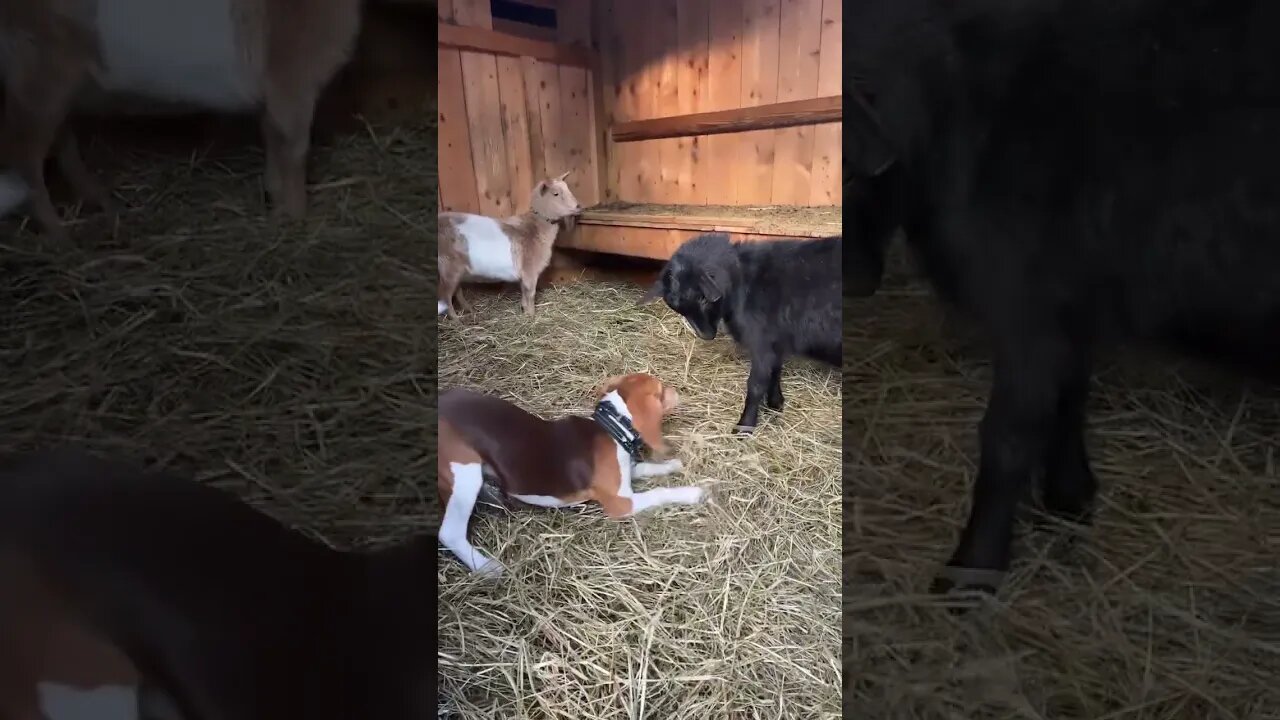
(292, 365)
(720, 611)
(1169, 607)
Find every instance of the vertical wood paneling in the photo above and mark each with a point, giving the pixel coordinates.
(629, 50)
(553, 141)
(666, 97)
(827, 157)
(799, 50)
(573, 26)
(533, 105)
(725, 93)
(515, 128)
(603, 89)
(454, 141)
(484, 113)
(761, 25)
(694, 84)
(645, 39)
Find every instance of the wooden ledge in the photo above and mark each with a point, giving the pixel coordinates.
(499, 43)
(760, 117)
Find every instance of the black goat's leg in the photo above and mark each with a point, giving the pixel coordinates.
(763, 367)
(774, 400)
(1029, 377)
(1069, 485)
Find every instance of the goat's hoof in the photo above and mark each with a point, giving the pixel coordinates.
(1070, 511)
(674, 465)
(976, 583)
(491, 569)
(744, 429)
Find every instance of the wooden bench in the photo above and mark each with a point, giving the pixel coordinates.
(655, 231)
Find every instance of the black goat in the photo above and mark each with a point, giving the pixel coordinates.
(1069, 174)
(776, 299)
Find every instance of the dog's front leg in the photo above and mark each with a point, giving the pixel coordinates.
(657, 469)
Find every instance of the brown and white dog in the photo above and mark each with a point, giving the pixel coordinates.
(476, 248)
(127, 593)
(556, 463)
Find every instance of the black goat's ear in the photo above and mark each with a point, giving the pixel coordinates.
(653, 293)
(868, 150)
(712, 289)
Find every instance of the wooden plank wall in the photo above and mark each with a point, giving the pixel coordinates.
(674, 57)
(506, 122)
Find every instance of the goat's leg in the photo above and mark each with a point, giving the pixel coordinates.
(774, 399)
(447, 291)
(763, 367)
(39, 95)
(459, 301)
(90, 189)
(1069, 485)
(1029, 377)
(286, 138)
(528, 289)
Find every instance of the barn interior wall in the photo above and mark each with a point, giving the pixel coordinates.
(675, 57)
(505, 122)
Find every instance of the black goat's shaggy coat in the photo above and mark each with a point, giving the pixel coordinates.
(1069, 174)
(776, 299)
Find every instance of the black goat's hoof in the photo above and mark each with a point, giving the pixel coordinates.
(744, 429)
(976, 583)
(772, 405)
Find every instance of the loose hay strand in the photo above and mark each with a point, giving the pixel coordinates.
(721, 611)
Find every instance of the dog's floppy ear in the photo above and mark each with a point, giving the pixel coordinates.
(653, 293)
(607, 386)
(646, 415)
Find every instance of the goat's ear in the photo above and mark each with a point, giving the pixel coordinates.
(869, 151)
(542, 187)
(653, 293)
(712, 289)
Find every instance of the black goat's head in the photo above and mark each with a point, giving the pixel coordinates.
(696, 282)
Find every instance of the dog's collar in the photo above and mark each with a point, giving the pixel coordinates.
(619, 428)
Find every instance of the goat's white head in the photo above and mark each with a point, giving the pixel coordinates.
(553, 200)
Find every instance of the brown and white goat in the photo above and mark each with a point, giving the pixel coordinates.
(56, 56)
(477, 248)
(111, 576)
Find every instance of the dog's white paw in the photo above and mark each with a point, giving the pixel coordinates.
(707, 497)
(491, 569)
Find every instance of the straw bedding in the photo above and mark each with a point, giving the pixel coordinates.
(1168, 608)
(728, 610)
(291, 365)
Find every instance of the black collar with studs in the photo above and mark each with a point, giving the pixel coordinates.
(619, 428)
